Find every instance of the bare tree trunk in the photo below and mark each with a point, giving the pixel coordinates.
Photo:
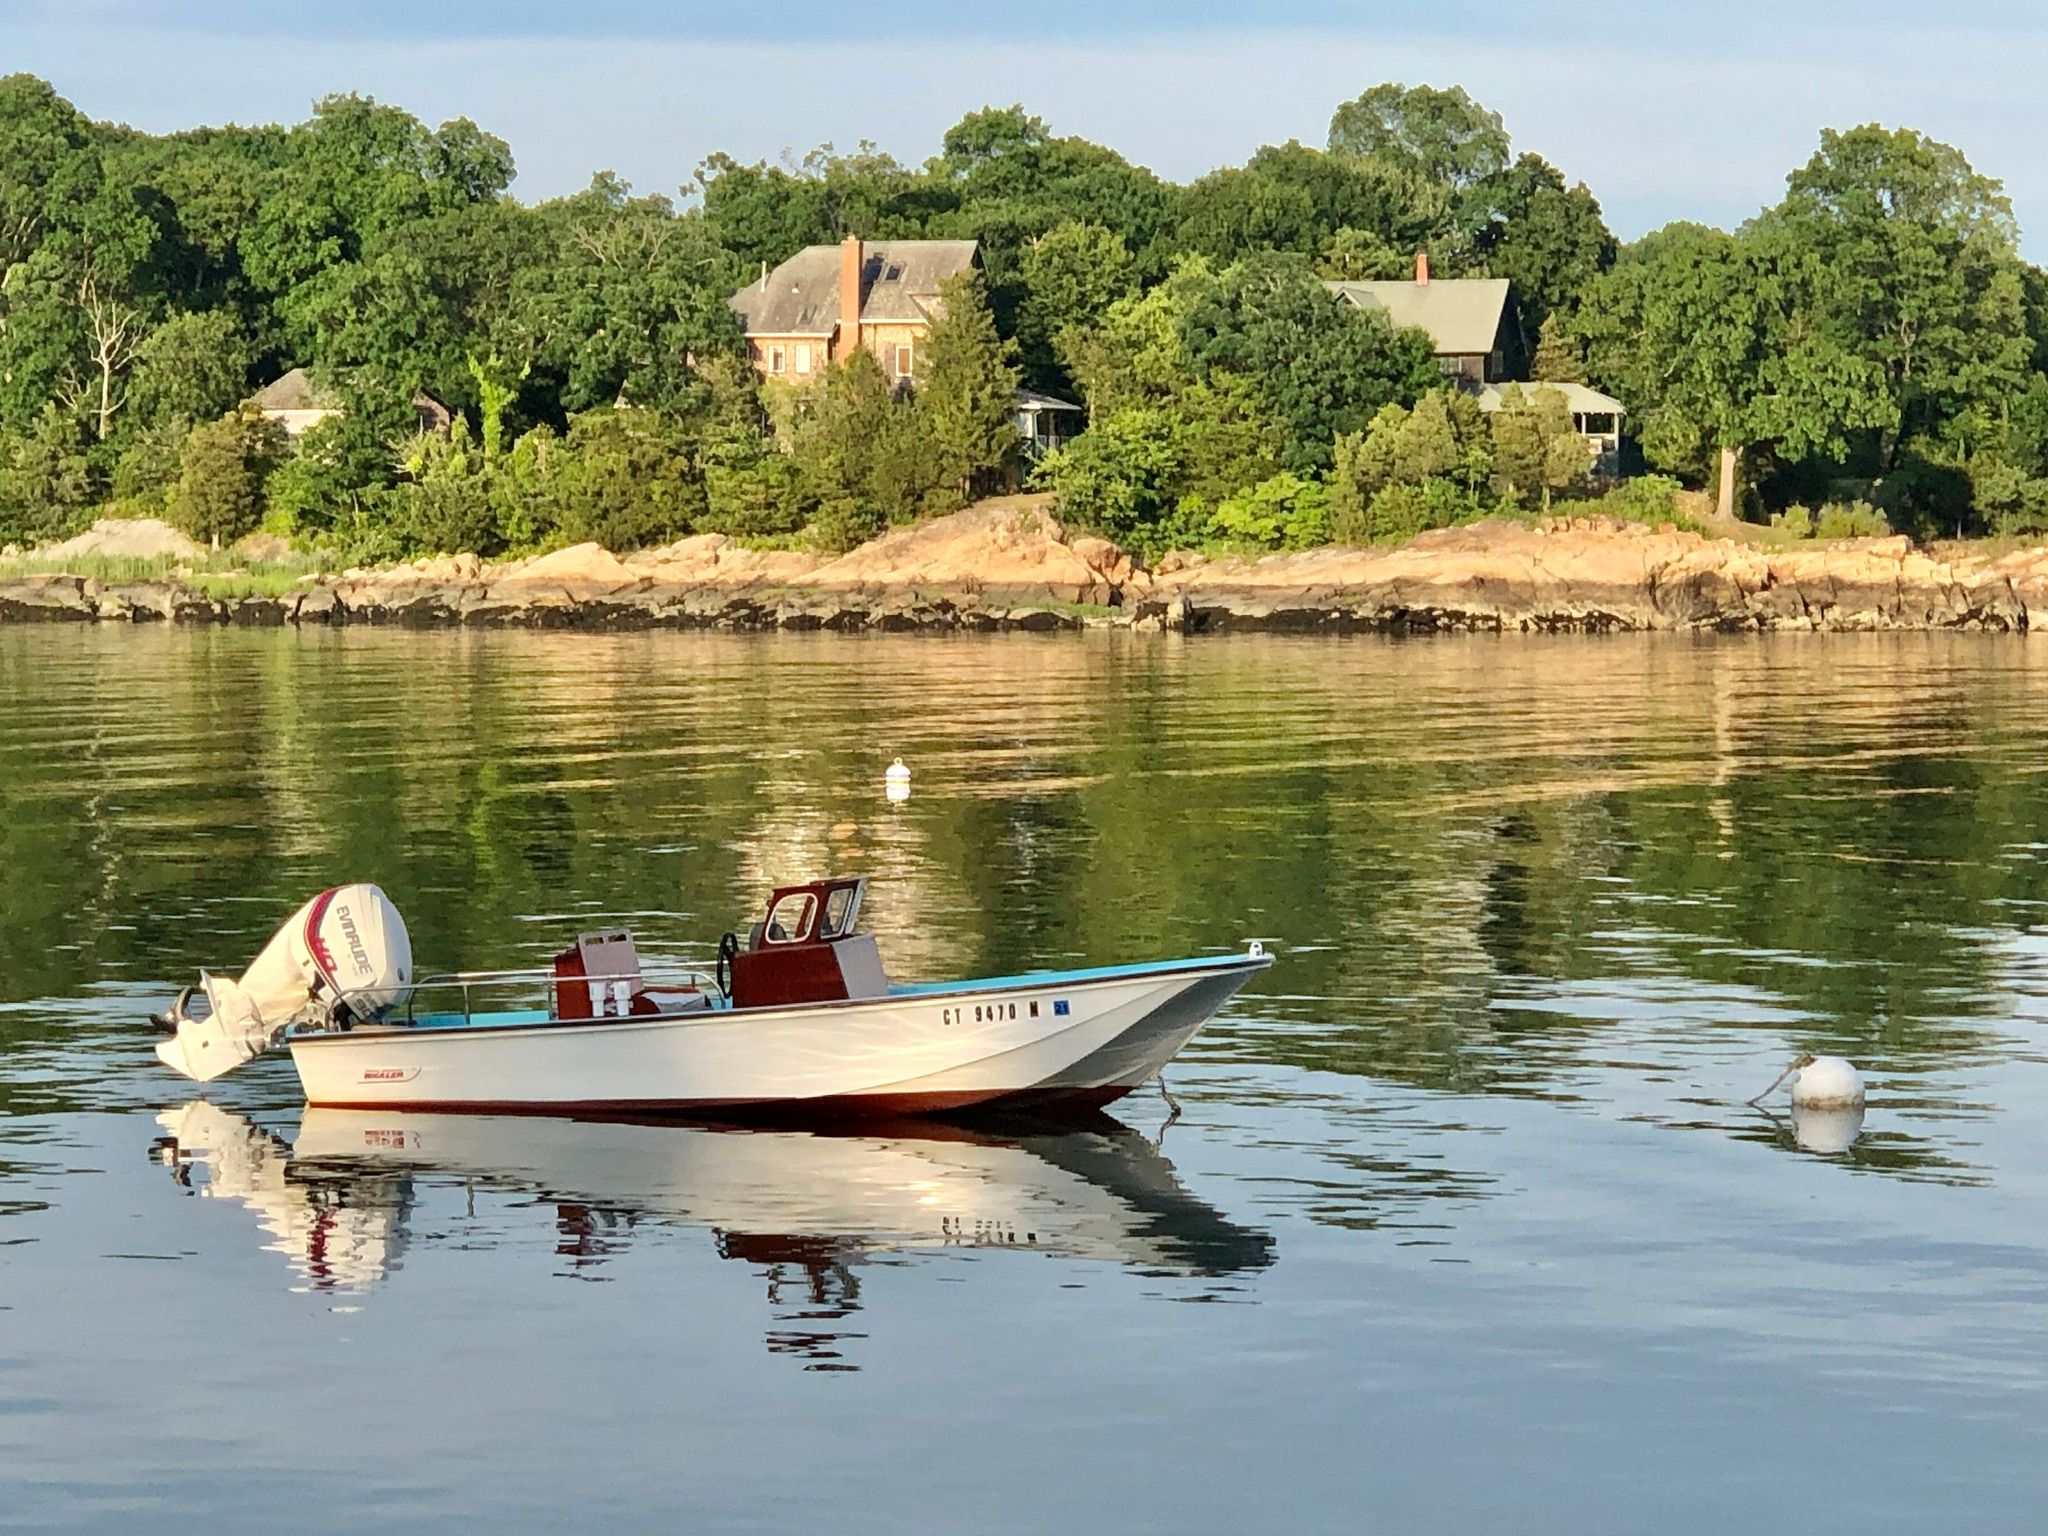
(1724, 504)
(116, 337)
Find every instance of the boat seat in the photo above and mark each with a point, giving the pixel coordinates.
(611, 956)
(829, 971)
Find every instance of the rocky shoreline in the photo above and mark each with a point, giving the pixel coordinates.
(1010, 566)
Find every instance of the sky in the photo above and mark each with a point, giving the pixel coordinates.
(1663, 113)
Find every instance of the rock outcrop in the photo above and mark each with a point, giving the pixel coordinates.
(1602, 575)
(1009, 564)
(142, 538)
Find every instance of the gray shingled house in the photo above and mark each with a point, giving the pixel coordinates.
(1471, 320)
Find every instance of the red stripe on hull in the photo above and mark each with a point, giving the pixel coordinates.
(862, 1106)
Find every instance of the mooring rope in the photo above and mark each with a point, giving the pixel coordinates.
(1802, 1061)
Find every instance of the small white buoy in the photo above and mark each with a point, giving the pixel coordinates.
(896, 782)
(1827, 1082)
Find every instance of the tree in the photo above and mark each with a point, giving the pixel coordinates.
(1443, 134)
(1425, 447)
(219, 495)
(1715, 345)
(966, 390)
(191, 367)
(45, 482)
(1536, 448)
(841, 439)
(1293, 198)
(631, 296)
(1559, 358)
(1922, 279)
(1361, 256)
(1004, 178)
(1070, 276)
(1549, 240)
(1322, 366)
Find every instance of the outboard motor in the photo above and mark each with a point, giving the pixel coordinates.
(344, 955)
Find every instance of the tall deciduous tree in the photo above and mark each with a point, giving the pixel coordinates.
(632, 296)
(1546, 238)
(1922, 280)
(1444, 134)
(1321, 365)
(1712, 342)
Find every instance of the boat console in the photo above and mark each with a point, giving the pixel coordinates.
(805, 950)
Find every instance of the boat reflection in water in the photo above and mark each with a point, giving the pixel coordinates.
(807, 1207)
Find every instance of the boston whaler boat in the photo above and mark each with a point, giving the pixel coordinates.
(800, 1019)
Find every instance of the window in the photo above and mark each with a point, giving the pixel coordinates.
(790, 919)
(803, 357)
(903, 361)
(842, 906)
(775, 359)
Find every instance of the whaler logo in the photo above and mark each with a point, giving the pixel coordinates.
(390, 1074)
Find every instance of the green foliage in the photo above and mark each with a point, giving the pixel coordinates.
(1651, 499)
(1443, 135)
(625, 480)
(45, 482)
(192, 367)
(966, 391)
(330, 477)
(1835, 520)
(1284, 511)
(219, 494)
(1119, 476)
(843, 441)
(1070, 275)
(1877, 326)
(1548, 240)
(1321, 366)
(1536, 449)
(1559, 358)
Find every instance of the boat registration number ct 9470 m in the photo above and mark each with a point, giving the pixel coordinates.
(998, 1013)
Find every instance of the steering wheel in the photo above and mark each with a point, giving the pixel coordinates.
(728, 951)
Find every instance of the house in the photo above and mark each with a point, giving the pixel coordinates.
(1044, 422)
(826, 300)
(298, 404)
(1470, 320)
(1597, 417)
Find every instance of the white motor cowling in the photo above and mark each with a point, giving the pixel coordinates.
(344, 955)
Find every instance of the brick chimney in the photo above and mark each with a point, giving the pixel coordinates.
(1422, 269)
(851, 259)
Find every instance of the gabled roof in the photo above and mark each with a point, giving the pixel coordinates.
(1582, 398)
(1461, 314)
(899, 282)
(296, 391)
(1032, 400)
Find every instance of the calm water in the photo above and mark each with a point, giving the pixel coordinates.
(1463, 1224)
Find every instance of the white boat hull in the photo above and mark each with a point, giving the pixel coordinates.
(1083, 1037)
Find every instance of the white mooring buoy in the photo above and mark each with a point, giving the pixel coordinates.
(896, 782)
(1827, 1082)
